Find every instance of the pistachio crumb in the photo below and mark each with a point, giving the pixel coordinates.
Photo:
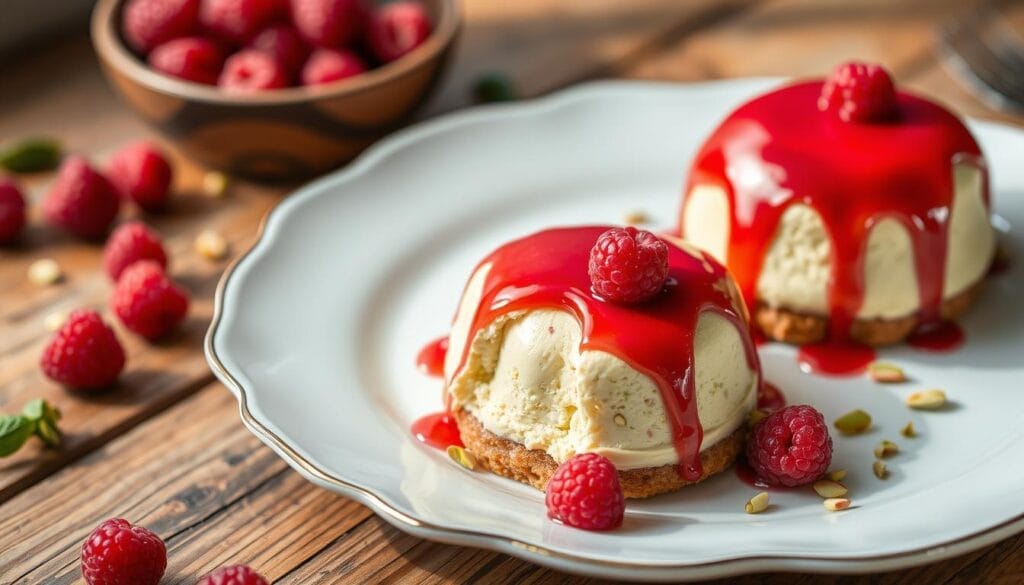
(44, 272)
(757, 504)
(836, 504)
(909, 431)
(886, 449)
(880, 470)
(931, 399)
(462, 457)
(853, 422)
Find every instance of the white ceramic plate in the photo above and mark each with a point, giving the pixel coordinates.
(317, 329)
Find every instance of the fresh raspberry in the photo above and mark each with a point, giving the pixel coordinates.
(251, 70)
(129, 244)
(148, 23)
(191, 58)
(285, 44)
(234, 575)
(859, 92)
(327, 23)
(628, 265)
(790, 447)
(140, 172)
(84, 354)
(81, 200)
(148, 302)
(12, 211)
(237, 21)
(327, 65)
(397, 28)
(117, 553)
(584, 492)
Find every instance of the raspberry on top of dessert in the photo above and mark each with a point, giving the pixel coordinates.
(658, 379)
(845, 208)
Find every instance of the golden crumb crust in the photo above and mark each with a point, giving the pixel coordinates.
(802, 328)
(535, 467)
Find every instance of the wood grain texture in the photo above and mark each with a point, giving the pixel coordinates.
(167, 448)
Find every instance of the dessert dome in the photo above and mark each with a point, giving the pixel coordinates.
(539, 367)
(844, 208)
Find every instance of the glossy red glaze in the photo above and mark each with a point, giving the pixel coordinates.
(430, 360)
(835, 358)
(548, 270)
(770, 398)
(947, 336)
(779, 149)
(437, 430)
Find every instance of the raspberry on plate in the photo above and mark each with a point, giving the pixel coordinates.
(285, 44)
(117, 553)
(859, 92)
(81, 200)
(628, 265)
(327, 65)
(12, 211)
(251, 70)
(790, 447)
(191, 58)
(84, 354)
(234, 575)
(327, 23)
(130, 243)
(141, 173)
(585, 493)
(237, 21)
(148, 23)
(148, 302)
(397, 28)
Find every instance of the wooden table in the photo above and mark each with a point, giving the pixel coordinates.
(166, 448)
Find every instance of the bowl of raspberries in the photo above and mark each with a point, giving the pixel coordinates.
(274, 89)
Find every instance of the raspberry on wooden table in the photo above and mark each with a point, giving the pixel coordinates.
(328, 23)
(251, 70)
(191, 58)
(859, 92)
(237, 21)
(585, 493)
(12, 211)
(234, 575)
(117, 553)
(140, 173)
(397, 28)
(790, 447)
(147, 302)
(84, 354)
(81, 200)
(148, 23)
(628, 265)
(285, 44)
(130, 243)
(327, 65)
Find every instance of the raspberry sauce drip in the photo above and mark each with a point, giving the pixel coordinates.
(835, 358)
(770, 398)
(947, 336)
(779, 149)
(437, 430)
(430, 360)
(548, 270)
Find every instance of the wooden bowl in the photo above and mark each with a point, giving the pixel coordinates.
(284, 134)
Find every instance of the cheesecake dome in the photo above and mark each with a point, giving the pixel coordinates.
(843, 229)
(537, 359)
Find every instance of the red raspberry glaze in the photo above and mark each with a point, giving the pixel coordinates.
(790, 447)
(117, 553)
(628, 265)
(84, 354)
(585, 493)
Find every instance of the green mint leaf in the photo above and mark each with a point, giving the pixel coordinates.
(14, 431)
(494, 87)
(34, 410)
(48, 432)
(31, 155)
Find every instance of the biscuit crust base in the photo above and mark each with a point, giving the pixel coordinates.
(535, 467)
(803, 328)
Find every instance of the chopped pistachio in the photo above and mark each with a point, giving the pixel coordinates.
(853, 422)
(932, 399)
(757, 504)
(836, 504)
(886, 449)
(45, 272)
(211, 245)
(880, 469)
(886, 373)
(837, 475)
(462, 457)
(827, 488)
(909, 431)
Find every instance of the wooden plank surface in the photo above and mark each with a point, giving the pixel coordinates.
(167, 448)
